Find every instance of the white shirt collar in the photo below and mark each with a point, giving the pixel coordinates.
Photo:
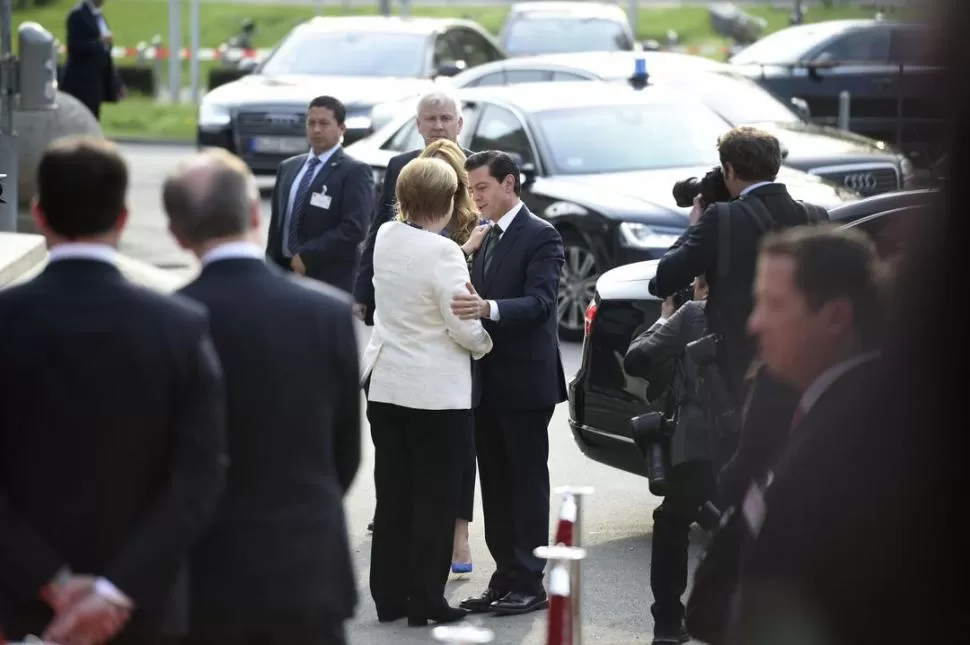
(233, 251)
(753, 186)
(323, 156)
(506, 220)
(83, 251)
(825, 380)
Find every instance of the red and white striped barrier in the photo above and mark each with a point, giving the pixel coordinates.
(162, 53)
(567, 520)
(560, 629)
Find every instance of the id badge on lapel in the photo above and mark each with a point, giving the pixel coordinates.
(321, 199)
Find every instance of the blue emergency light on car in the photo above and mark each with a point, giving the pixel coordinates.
(640, 77)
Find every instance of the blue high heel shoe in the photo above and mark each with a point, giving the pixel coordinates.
(461, 567)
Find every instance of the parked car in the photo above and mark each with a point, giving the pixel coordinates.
(883, 65)
(864, 164)
(546, 27)
(599, 161)
(360, 60)
(603, 397)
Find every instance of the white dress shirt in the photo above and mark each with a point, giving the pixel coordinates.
(324, 157)
(233, 251)
(503, 223)
(102, 23)
(83, 251)
(419, 353)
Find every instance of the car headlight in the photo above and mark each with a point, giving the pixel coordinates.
(907, 171)
(358, 122)
(641, 236)
(213, 116)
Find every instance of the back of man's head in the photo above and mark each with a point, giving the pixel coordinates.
(755, 155)
(82, 183)
(211, 195)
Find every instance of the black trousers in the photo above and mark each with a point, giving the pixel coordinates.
(419, 456)
(466, 504)
(513, 456)
(691, 485)
(300, 629)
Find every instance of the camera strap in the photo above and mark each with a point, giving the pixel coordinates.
(757, 212)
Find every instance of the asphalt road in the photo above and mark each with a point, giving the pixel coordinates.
(616, 587)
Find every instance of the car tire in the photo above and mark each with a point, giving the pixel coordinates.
(577, 285)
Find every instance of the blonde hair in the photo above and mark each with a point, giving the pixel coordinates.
(465, 216)
(426, 191)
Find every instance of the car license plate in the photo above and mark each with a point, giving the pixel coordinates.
(278, 145)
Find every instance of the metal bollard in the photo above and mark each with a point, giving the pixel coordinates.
(578, 493)
(845, 103)
(562, 590)
(464, 634)
(156, 56)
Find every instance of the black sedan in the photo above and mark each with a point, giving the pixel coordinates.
(599, 161)
(883, 65)
(864, 164)
(360, 60)
(603, 397)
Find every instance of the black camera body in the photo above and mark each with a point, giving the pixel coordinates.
(651, 434)
(710, 187)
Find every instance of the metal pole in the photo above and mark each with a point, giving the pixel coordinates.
(573, 556)
(899, 107)
(577, 588)
(385, 7)
(9, 160)
(174, 50)
(845, 113)
(632, 9)
(194, 50)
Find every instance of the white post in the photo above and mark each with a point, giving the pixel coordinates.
(194, 50)
(174, 50)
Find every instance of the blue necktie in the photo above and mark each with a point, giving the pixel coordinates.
(301, 194)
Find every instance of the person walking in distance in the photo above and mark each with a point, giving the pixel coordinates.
(322, 202)
(515, 279)
(112, 427)
(89, 73)
(275, 563)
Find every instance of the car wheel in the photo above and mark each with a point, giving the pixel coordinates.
(577, 285)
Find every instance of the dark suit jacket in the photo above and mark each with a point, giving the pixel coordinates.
(811, 564)
(278, 547)
(729, 302)
(327, 238)
(89, 73)
(385, 212)
(112, 439)
(523, 371)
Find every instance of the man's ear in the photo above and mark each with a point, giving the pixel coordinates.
(39, 218)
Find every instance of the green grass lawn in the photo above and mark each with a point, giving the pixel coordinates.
(134, 21)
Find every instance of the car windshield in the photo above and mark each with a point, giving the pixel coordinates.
(349, 54)
(737, 99)
(626, 138)
(785, 46)
(560, 34)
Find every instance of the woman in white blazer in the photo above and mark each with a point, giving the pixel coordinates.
(418, 376)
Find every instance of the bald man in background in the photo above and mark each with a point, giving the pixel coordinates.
(275, 565)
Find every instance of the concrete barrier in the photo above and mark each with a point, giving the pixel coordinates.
(23, 257)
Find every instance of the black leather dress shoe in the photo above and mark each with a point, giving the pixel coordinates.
(514, 603)
(481, 604)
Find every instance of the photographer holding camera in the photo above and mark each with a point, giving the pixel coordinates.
(679, 437)
(722, 241)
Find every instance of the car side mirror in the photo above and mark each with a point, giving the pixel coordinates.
(527, 173)
(800, 106)
(784, 152)
(450, 68)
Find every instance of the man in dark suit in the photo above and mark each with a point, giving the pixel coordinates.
(515, 279)
(817, 320)
(89, 73)
(750, 160)
(322, 202)
(275, 565)
(112, 427)
(438, 117)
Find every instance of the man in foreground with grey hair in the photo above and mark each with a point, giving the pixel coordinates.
(276, 560)
(438, 117)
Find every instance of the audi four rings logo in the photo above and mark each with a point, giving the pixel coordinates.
(860, 181)
(283, 119)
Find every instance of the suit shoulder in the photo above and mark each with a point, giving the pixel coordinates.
(319, 292)
(300, 158)
(538, 224)
(398, 161)
(178, 305)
